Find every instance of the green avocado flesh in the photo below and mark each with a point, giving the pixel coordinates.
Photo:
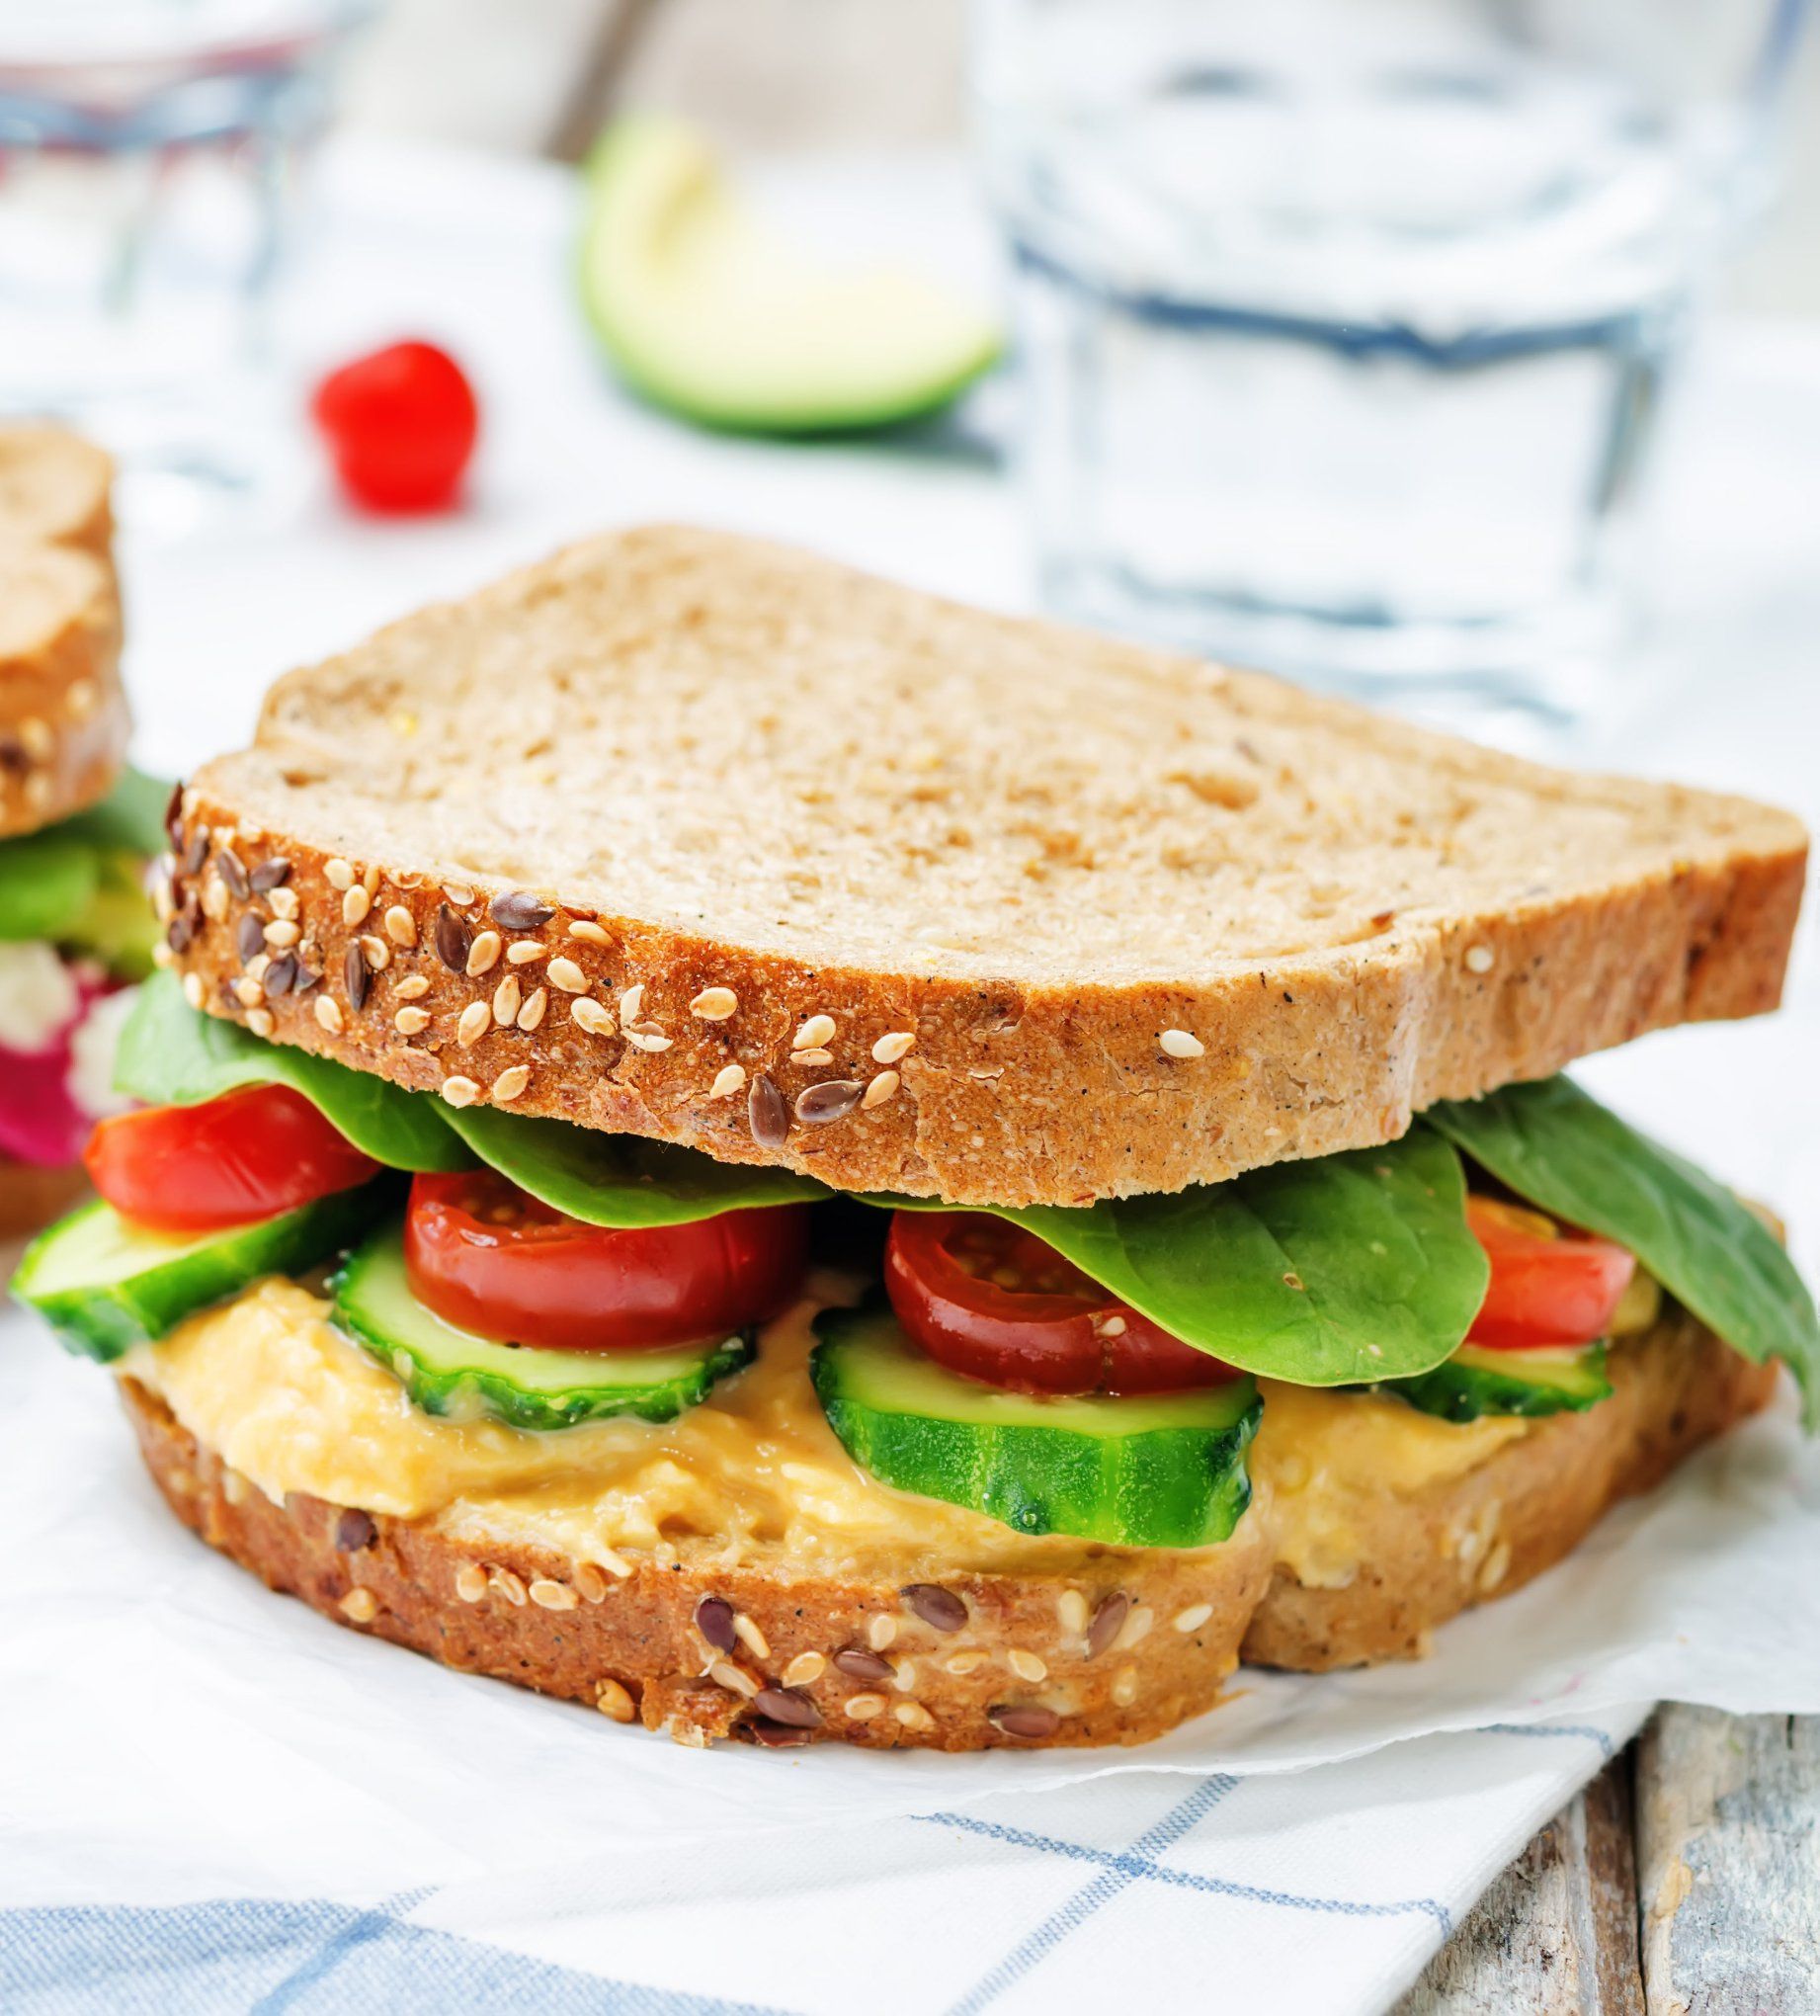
(1153, 1471)
(453, 1373)
(701, 308)
(1475, 1382)
(105, 1284)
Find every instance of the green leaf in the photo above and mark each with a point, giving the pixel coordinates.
(77, 881)
(46, 881)
(171, 1055)
(130, 819)
(116, 925)
(1352, 1267)
(1568, 1155)
(619, 1180)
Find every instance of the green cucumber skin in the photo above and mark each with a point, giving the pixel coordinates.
(461, 1393)
(1173, 1487)
(1468, 1388)
(459, 1396)
(104, 1322)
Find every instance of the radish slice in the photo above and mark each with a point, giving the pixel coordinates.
(44, 1116)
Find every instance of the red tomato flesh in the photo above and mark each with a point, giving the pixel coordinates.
(486, 1256)
(988, 1300)
(400, 426)
(246, 1155)
(1548, 1285)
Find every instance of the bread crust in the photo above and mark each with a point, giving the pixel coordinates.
(1431, 1554)
(632, 1646)
(64, 720)
(1023, 1083)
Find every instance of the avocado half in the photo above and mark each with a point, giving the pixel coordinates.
(704, 309)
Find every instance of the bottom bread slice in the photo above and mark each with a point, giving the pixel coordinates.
(764, 1650)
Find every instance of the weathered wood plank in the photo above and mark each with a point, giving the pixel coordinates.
(1728, 1860)
(1557, 1934)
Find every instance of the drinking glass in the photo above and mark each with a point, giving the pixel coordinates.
(1344, 325)
(147, 156)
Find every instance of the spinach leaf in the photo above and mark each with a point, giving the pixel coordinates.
(172, 1055)
(47, 882)
(1352, 1267)
(130, 819)
(611, 1179)
(1567, 1155)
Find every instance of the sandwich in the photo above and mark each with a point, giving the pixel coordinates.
(77, 829)
(788, 1160)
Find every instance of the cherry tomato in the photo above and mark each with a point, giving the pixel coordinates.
(483, 1254)
(400, 426)
(989, 1300)
(1548, 1285)
(246, 1155)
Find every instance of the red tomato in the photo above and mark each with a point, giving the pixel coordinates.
(200, 1168)
(483, 1254)
(987, 1298)
(1548, 1285)
(400, 425)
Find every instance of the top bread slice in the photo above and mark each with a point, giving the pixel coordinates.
(63, 721)
(694, 837)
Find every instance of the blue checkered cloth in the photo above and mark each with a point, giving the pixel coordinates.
(1324, 1891)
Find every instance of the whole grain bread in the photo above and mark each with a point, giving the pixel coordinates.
(64, 720)
(807, 869)
(56, 488)
(1112, 1656)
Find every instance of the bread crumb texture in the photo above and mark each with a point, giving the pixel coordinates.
(1145, 921)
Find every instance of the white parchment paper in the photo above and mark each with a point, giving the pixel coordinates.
(171, 1730)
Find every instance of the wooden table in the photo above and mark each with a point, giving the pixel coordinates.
(1685, 1881)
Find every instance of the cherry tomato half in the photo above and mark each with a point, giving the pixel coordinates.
(989, 1300)
(483, 1254)
(400, 426)
(1548, 1285)
(246, 1155)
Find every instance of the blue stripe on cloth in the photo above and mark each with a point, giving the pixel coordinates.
(1606, 1748)
(281, 1958)
(1138, 1863)
(1112, 1879)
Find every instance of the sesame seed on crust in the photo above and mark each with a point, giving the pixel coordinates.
(715, 1004)
(589, 1014)
(814, 1034)
(510, 1083)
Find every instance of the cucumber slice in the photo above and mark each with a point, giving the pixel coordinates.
(105, 1284)
(450, 1372)
(1474, 1381)
(1158, 1471)
(703, 309)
